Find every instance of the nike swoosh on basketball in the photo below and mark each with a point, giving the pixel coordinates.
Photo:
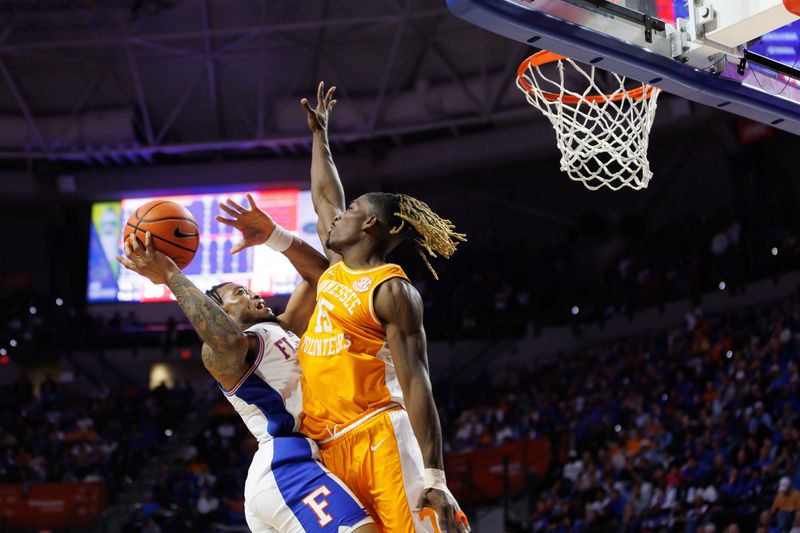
(373, 448)
(181, 235)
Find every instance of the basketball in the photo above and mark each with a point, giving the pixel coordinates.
(172, 227)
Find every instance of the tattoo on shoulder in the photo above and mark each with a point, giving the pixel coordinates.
(214, 326)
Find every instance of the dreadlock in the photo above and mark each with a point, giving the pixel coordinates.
(429, 232)
(214, 294)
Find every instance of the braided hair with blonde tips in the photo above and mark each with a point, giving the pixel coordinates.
(431, 234)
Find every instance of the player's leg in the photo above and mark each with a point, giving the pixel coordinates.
(338, 457)
(261, 495)
(314, 497)
(387, 482)
(264, 505)
(251, 515)
(413, 468)
(285, 472)
(392, 463)
(403, 456)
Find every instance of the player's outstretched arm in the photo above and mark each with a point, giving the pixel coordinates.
(327, 192)
(399, 307)
(299, 308)
(257, 227)
(225, 344)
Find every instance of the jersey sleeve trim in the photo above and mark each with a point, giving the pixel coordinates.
(372, 290)
(232, 391)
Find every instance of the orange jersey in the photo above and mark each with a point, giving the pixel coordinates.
(346, 371)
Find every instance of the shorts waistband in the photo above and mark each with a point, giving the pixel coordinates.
(347, 429)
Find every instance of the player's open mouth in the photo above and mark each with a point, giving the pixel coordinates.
(260, 305)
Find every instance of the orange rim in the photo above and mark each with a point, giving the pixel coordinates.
(544, 57)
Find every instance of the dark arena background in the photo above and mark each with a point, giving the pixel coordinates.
(600, 360)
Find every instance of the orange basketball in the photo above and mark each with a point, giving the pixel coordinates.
(172, 227)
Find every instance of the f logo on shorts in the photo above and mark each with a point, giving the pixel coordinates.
(319, 506)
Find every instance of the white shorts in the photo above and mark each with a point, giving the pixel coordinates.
(289, 490)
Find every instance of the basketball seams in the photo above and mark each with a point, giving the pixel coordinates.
(153, 235)
(168, 217)
(136, 214)
(139, 219)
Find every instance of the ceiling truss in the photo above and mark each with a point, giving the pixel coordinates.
(418, 40)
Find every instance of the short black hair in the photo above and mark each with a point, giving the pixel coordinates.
(214, 294)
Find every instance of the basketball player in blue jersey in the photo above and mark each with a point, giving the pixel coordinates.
(252, 354)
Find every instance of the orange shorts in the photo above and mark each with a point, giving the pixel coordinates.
(380, 461)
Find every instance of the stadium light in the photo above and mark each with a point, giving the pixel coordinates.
(722, 285)
(617, 428)
(774, 251)
(3, 351)
(729, 354)
(59, 302)
(33, 309)
(13, 343)
(575, 310)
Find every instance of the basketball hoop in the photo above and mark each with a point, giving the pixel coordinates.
(603, 138)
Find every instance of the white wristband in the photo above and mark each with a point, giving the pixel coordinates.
(435, 479)
(280, 239)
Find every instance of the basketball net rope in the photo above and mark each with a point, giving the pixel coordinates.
(603, 141)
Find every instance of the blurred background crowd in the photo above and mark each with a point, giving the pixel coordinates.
(693, 426)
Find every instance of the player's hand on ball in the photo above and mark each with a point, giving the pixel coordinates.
(254, 224)
(147, 261)
(451, 518)
(318, 116)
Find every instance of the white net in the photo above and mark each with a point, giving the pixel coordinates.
(603, 138)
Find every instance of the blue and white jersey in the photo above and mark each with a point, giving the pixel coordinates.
(268, 396)
(288, 490)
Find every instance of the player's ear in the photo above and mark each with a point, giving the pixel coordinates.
(369, 222)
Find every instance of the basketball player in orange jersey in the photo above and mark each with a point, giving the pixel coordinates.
(353, 388)
(365, 404)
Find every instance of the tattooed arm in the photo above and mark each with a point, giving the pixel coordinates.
(225, 345)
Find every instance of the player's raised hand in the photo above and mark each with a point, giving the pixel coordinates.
(254, 224)
(318, 116)
(147, 261)
(451, 519)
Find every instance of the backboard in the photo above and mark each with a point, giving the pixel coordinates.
(737, 55)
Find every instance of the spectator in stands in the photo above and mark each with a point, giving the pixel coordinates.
(699, 435)
(786, 504)
(707, 412)
(765, 524)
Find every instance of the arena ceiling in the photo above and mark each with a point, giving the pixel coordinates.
(112, 79)
(119, 82)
